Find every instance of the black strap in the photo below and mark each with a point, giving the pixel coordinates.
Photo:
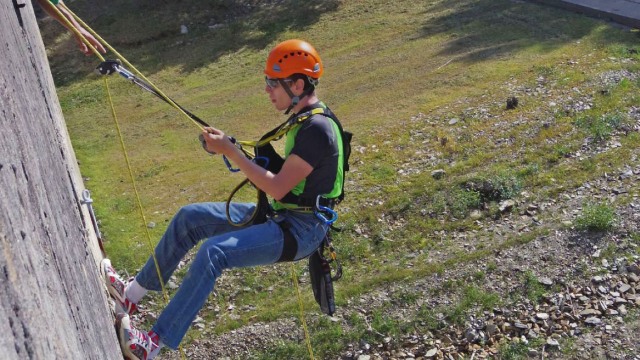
(290, 246)
(291, 198)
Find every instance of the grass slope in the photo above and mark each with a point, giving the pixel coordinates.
(397, 73)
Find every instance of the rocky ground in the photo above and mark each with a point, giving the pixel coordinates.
(589, 283)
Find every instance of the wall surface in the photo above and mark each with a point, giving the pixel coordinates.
(52, 300)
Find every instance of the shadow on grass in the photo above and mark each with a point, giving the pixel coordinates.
(148, 33)
(487, 29)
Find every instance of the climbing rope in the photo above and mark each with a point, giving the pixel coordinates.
(197, 122)
(307, 338)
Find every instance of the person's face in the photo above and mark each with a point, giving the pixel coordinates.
(277, 94)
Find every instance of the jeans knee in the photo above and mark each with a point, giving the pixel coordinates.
(211, 260)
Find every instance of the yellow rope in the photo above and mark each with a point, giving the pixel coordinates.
(165, 293)
(123, 147)
(307, 338)
(135, 190)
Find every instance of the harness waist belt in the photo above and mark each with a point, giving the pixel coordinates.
(307, 202)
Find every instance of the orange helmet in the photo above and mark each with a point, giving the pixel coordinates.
(293, 57)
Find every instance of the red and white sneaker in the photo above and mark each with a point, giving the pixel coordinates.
(116, 287)
(135, 344)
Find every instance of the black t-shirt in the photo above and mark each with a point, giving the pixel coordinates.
(316, 142)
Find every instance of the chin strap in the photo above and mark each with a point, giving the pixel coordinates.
(295, 100)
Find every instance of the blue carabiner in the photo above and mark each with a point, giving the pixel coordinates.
(261, 158)
(228, 163)
(320, 215)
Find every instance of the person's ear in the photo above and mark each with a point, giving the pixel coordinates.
(299, 85)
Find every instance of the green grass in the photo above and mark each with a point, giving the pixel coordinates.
(532, 288)
(385, 63)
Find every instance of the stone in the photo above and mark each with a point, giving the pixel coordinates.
(593, 321)
(542, 316)
(624, 288)
(438, 174)
(589, 312)
(491, 329)
(475, 215)
(553, 342)
(431, 353)
(622, 310)
(521, 326)
(545, 281)
(506, 205)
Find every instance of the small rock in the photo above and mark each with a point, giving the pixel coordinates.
(553, 342)
(593, 321)
(431, 353)
(589, 312)
(506, 205)
(475, 215)
(624, 288)
(545, 281)
(542, 316)
(533, 353)
(438, 174)
(521, 326)
(491, 329)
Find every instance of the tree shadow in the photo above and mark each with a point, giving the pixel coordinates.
(486, 29)
(148, 33)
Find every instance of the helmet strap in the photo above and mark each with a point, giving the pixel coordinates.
(295, 100)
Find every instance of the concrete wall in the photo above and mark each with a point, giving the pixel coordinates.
(52, 300)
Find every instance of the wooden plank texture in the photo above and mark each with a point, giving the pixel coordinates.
(52, 301)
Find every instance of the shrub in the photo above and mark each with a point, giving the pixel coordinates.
(495, 187)
(462, 201)
(600, 128)
(596, 217)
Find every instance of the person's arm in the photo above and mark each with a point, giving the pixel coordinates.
(294, 169)
(48, 7)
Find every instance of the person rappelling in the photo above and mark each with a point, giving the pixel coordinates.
(305, 186)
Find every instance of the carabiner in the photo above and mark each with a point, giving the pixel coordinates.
(228, 163)
(319, 209)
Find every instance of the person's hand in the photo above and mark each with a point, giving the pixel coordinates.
(83, 47)
(216, 142)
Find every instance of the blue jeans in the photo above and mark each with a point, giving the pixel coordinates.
(225, 246)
